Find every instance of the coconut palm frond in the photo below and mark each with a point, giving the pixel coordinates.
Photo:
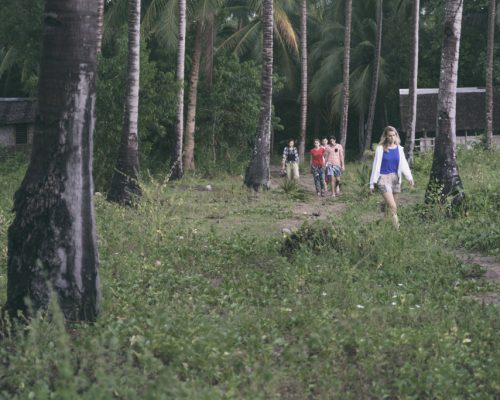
(152, 14)
(9, 58)
(114, 19)
(285, 31)
(166, 28)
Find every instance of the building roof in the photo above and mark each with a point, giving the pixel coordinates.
(15, 110)
(470, 109)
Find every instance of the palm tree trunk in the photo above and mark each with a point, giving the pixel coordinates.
(125, 187)
(489, 73)
(258, 173)
(100, 24)
(192, 98)
(445, 182)
(412, 92)
(303, 70)
(345, 81)
(177, 167)
(209, 51)
(52, 246)
(375, 78)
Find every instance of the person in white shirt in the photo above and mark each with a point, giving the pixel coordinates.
(389, 164)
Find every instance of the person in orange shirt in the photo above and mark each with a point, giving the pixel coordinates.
(317, 167)
(334, 158)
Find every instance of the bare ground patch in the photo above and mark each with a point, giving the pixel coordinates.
(492, 267)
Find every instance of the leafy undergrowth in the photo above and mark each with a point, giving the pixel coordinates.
(203, 298)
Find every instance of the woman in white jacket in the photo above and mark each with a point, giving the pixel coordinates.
(389, 165)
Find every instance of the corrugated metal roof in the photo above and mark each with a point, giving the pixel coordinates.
(17, 110)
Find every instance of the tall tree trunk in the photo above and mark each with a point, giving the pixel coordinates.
(345, 80)
(177, 167)
(489, 73)
(412, 91)
(258, 173)
(192, 98)
(209, 50)
(100, 24)
(52, 241)
(303, 76)
(375, 78)
(445, 184)
(125, 187)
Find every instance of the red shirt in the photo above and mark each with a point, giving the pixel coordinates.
(317, 157)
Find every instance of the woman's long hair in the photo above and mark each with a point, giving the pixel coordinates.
(383, 138)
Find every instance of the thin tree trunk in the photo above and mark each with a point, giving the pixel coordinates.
(209, 50)
(100, 24)
(345, 80)
(192, 98)
(375, 78)
(258, 172)
(177, 167)
(445, 185)
(361, 129)
(52, 246)
(489, 73)
(125, 187)
(303, 76)
(412, 91)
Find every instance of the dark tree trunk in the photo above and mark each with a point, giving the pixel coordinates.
(303, 78)
(258, 173)
(52, 241)
(345, 80)
(192, 100)
(412, 95)
(445, 185)
(489, 73)
(125, 187)
(375, 78)
(177, 167)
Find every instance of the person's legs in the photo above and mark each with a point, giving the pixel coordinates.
(317, 179)
(337, 185)
(289, 170)
(322, 179)
(296, 174)
(391, 207)
(332, 184)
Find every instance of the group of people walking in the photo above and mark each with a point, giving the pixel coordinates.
(327, 165)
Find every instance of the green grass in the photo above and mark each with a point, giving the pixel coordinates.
(203, 298)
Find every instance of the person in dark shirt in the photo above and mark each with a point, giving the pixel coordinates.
(290, 161)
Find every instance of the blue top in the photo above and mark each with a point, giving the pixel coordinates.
(390, 161)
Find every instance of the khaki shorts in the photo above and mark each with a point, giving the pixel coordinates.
(389, 183)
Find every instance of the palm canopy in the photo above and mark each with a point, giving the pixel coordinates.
(244, 27)
(327, 60)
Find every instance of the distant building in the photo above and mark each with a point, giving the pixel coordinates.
(470, 118)
(17, 122)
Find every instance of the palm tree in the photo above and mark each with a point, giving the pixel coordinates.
(177, 167)
(303, 78)
(345, 81)
(489, 72)
(445, 182)
(375, 78)
(204, 11)
(52, 245)
(258, 173)
(125, 187)
(412, 95)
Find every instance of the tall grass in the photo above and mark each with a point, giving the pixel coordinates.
(204, 299)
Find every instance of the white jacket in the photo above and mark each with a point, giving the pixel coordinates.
(403, 168)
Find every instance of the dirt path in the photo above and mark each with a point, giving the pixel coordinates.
(326, 207)
(316, 208)
(492, 267)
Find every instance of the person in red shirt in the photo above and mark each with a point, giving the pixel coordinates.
(317, 167)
